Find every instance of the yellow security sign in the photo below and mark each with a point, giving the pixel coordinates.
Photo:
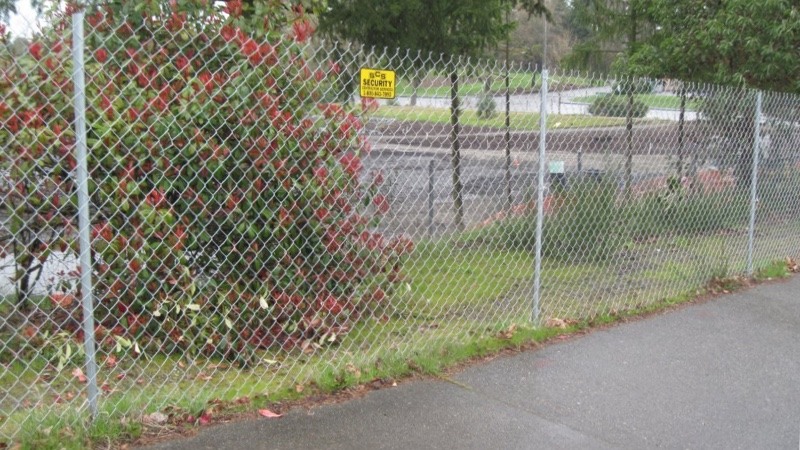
(377, 83)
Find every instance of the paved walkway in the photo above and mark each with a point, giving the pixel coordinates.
(722, 374)
(557, 103)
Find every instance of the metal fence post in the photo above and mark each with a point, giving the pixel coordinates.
(84, 223)
(537, 270)
(754, 185)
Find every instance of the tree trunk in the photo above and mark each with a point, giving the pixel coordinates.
(629, 144)
(681, 132)
(509, 200)
(416, 80)
(455, 155)
(743, 172)
(632, 36)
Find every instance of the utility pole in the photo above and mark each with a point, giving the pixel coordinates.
(544, 56)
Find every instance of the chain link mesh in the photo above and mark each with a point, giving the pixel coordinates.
(257, 227)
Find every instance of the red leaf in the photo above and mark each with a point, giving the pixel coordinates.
(205, 418)
(155, 198)
(61, 299)
(101, 55)
(351, 164)
(381, 203)
(228, 33)
(30, 331)
(78, 373)
(302, 30)
(36, 50)
(268, 414)
(234, 8)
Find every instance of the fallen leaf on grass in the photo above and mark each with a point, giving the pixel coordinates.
(78, 373)
(106, 388)
(269, 414)
(509, 332)
(30, 331)
(555, 323)
(120, 376)
(299, 388)
(111, 361)
(425, 328)
(309, 346)
(353, 370)
(156, 418)
(205, 418)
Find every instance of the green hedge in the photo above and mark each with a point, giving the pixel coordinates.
(616, 106)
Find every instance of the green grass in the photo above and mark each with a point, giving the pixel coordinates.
(518, 81)
(772, 271)
(519, 121)
(651, 100)
(461, 296)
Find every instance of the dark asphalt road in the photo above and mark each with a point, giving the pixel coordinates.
(722, 374)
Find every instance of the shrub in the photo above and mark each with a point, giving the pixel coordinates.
(486, 106)
(228, 208)
(582, 228)
(617, 106)
(677, 212)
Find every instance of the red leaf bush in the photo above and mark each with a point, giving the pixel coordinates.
(228, 208)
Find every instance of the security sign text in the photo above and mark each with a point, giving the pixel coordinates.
(377, 83)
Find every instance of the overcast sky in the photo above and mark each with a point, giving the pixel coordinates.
(22, 23)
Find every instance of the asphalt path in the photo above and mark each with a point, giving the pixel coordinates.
(559, 102)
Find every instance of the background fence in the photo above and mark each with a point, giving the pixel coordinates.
(249, 226)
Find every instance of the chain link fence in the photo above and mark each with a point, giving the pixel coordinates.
(196, 208)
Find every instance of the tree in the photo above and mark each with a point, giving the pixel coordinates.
(736, 43)
(447, 27)
(733, 43)
(594, 48)
(526, 39)
(620, 22)
(450, 27)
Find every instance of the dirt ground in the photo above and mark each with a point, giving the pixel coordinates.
(415, 158)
